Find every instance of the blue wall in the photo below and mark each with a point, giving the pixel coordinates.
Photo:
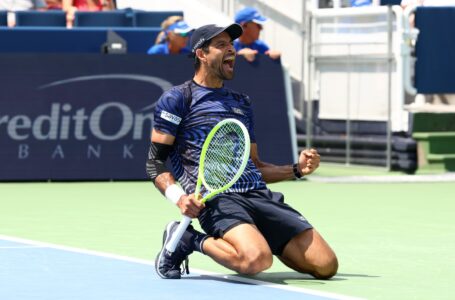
(76, 40)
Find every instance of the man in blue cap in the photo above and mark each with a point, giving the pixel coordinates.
(248, 44)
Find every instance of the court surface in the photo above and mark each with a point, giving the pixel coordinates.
(393, 239)
(35, 271)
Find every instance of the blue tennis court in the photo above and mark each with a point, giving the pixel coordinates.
(33, 270)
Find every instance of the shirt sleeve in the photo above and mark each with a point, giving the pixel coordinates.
(150, 50)
(156, 49)
(169, 112)
(237, 45)
(262, 47)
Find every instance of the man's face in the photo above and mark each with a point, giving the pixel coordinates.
(177, 39)
(221, 57)
(252, 30)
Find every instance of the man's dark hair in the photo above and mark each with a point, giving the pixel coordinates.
(197, 62)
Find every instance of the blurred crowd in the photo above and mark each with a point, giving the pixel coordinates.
(69, 6)
(173, 39)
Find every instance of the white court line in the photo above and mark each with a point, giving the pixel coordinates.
(21, 247)
(447, 177)
(38, 244)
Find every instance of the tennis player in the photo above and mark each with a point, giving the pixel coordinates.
(249, 224)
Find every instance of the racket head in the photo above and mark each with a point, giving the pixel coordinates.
(224, 156)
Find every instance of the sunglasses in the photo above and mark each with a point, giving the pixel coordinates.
(184, 34)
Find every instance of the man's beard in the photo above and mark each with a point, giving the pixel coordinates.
(218, 70)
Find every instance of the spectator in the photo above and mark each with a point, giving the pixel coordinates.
(54, 4)
(248, 44)
(71, 6)
(12, 6)
(22, 5)
(173, 39)
(89, 5)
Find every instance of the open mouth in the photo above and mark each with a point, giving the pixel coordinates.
(229, 61)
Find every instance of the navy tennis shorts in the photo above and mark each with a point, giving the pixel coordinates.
(277, 221)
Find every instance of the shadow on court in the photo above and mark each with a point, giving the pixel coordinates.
(287, 278)
(357, 275)
(215, 278)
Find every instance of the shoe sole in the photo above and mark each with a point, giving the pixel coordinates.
(166, 238)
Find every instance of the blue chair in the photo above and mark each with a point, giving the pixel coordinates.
(103, 19)
(3, 18)
(51, 18)
(153, 18)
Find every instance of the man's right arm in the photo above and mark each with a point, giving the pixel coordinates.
(164, 180)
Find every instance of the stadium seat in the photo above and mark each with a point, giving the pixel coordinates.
(52, 18)
(103, 19)
(153, 18)
(3, 17)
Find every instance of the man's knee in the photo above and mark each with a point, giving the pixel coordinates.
(252, 264)
(327, 268)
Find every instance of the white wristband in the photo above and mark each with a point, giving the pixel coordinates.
(173, 193)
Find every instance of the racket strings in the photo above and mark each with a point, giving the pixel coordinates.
(224, 156)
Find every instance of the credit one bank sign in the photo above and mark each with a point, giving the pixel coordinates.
(80, 128)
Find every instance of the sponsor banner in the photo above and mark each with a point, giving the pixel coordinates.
(86, 117)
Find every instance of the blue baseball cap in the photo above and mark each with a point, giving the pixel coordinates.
(205, 33)
(180, 27)
(249, 14)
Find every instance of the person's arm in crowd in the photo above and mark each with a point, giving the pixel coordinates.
(67, 6)
(273, 54)
(249, 54)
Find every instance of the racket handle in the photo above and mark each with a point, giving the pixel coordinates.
(177, 235)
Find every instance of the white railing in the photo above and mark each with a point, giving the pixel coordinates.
(348, 63)
(356, 68)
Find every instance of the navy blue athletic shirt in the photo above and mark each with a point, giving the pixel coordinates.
(191, 121)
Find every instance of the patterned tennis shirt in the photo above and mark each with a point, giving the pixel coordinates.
(190, 121)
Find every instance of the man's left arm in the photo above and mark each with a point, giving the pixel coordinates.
(308, 162)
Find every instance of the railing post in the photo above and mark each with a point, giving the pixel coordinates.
(348, 108)
(389, 85)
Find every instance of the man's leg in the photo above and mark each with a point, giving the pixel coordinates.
(242, 249)
(309, 253)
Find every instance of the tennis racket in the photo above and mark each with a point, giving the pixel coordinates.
(224, 156)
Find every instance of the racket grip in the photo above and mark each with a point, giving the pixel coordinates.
(177, 235)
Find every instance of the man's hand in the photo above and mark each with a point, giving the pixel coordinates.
(190, 206)
(308, 161)
(273, 54)
(249, 54)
